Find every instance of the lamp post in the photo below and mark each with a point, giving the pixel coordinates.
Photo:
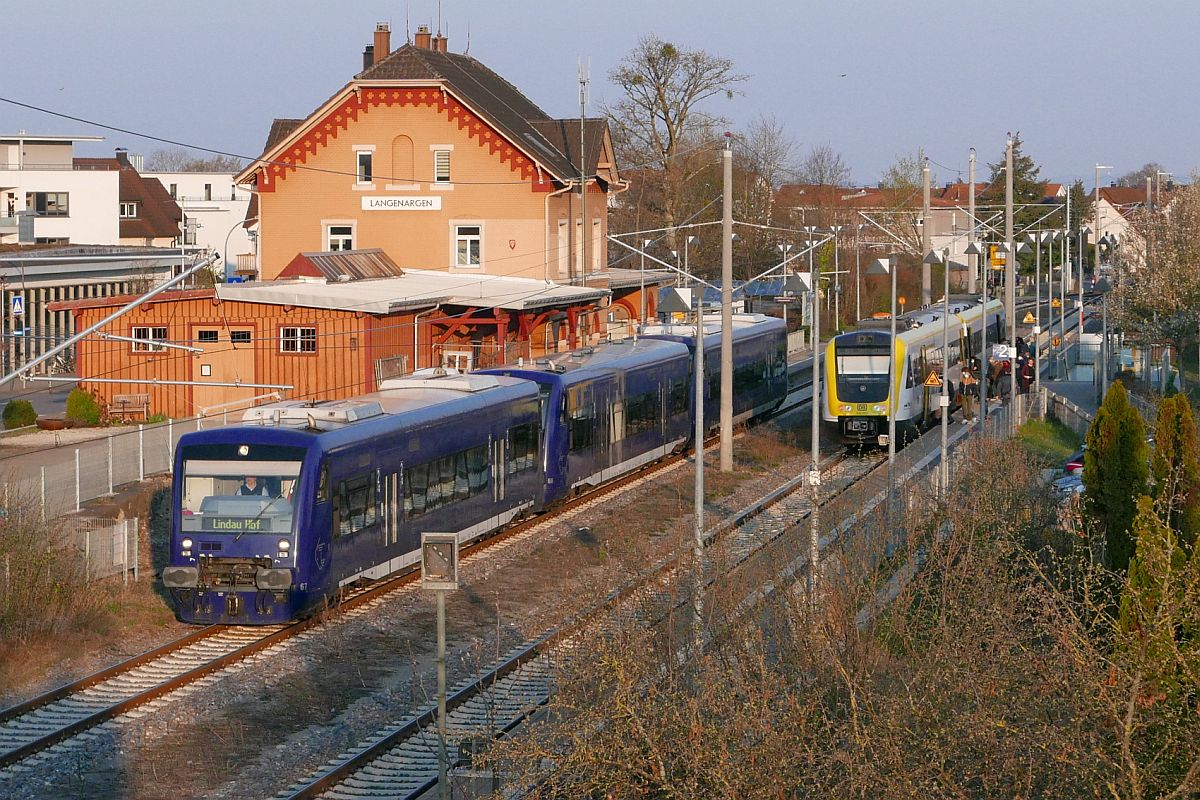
(784, 248)
(439, 573)
(225, 252)
(1037, 239)
(1101, 287)
(943, 257)
(814, 473)
(1099, 224)
(1084, 233)
(688, 240)
(698, 489)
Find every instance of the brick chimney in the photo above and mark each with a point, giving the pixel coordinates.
(383, 41)
(368, 56)
(122, 156)
(422, 38)
(439, 43)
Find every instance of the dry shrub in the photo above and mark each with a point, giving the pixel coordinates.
(42, 586)
(990, 674)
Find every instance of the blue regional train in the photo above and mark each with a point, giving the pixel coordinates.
(273, 516)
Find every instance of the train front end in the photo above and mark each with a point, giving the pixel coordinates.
(858, 370)
(239, 553)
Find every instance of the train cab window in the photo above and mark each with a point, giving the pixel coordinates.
(522, 448)
(355, 504)
(238, 496)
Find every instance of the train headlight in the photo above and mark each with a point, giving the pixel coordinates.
(185, 543)
(847, 407)
(284, 545)
(877, 408)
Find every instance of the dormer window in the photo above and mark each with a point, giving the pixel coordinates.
(129, 210)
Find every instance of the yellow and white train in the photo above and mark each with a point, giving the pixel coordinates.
(858, 369)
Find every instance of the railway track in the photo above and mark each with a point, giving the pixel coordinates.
(401, 761)
(33, 730)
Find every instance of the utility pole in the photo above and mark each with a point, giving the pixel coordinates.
(1010, 283)
(814, 473)
(727, 308)
(971, 288)
(926, 274)
(583, 220)
(698, 490)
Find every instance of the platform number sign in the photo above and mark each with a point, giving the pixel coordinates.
(18, 305)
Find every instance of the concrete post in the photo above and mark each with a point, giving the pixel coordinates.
(926, 274)
(727, 311)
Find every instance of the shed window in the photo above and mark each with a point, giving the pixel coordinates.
(147, 336)
(239, 337)
(206, 336)
(298, 340)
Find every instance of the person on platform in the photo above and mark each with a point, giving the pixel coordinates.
(969, 392)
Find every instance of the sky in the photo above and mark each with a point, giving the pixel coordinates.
(1083, 82)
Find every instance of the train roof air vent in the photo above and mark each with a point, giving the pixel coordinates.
(440, 378)
(314, 414)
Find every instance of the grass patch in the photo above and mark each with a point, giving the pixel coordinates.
(1048, 439)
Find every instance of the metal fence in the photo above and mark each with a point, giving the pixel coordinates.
(66, 477)
(106, 547)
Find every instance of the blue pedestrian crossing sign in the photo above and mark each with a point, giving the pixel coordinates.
(18, 305)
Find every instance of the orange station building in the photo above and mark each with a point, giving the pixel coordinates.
(428, 213)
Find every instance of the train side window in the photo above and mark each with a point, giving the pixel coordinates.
(323, 484)
(522, 448)
(677, 400)
(355, 504)
(583, 426)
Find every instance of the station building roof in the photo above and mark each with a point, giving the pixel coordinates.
(414, 288)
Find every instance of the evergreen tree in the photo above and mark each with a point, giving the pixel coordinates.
(1175, 469)
(1115, 472)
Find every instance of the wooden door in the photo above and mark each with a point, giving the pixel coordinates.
(227, 357)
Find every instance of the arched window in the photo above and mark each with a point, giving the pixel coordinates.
(402, 161)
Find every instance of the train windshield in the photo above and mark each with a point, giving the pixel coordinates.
(228, 496)
(863, 377)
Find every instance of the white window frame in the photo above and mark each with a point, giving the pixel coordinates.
(327, 234)
(456, 236)
(461, 360)
(148, 333)
(129, 209)
(442, 176)
(294, 338)
(364, 177)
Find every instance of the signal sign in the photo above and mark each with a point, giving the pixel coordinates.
(1056, 341)
(18, 305)
(1056, 303)
(1029, 320)
(933, 381)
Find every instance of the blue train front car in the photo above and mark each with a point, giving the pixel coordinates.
(272, 517)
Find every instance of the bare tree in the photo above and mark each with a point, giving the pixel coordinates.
(659, 118)
(1137, 178)
(823, 166)
(905, 172)
(179, 160)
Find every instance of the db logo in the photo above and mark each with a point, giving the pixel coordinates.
(512, 244)
(321, 555)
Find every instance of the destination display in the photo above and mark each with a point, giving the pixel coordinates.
(236, 524)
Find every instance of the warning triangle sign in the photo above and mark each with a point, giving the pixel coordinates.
(1029, 320)
(933, 380)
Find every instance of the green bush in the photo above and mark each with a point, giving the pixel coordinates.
(82, 407)
(18, 414)
(156, 418)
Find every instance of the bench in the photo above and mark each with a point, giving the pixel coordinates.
(126, 407)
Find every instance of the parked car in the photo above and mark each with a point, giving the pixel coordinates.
(1074, 463)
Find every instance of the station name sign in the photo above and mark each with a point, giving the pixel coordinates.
(402, 204)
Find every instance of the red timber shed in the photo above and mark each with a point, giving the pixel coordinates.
(323, 336)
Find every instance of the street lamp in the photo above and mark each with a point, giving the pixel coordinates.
(784, 248)
(1098, 222)
(943, 257)
(1102, 288)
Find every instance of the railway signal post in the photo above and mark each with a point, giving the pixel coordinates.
(439, 573)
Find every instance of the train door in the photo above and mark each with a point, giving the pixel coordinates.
(499, 446)
(391, 506)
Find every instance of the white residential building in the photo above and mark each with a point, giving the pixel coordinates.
(59, 201)
(214, 210)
